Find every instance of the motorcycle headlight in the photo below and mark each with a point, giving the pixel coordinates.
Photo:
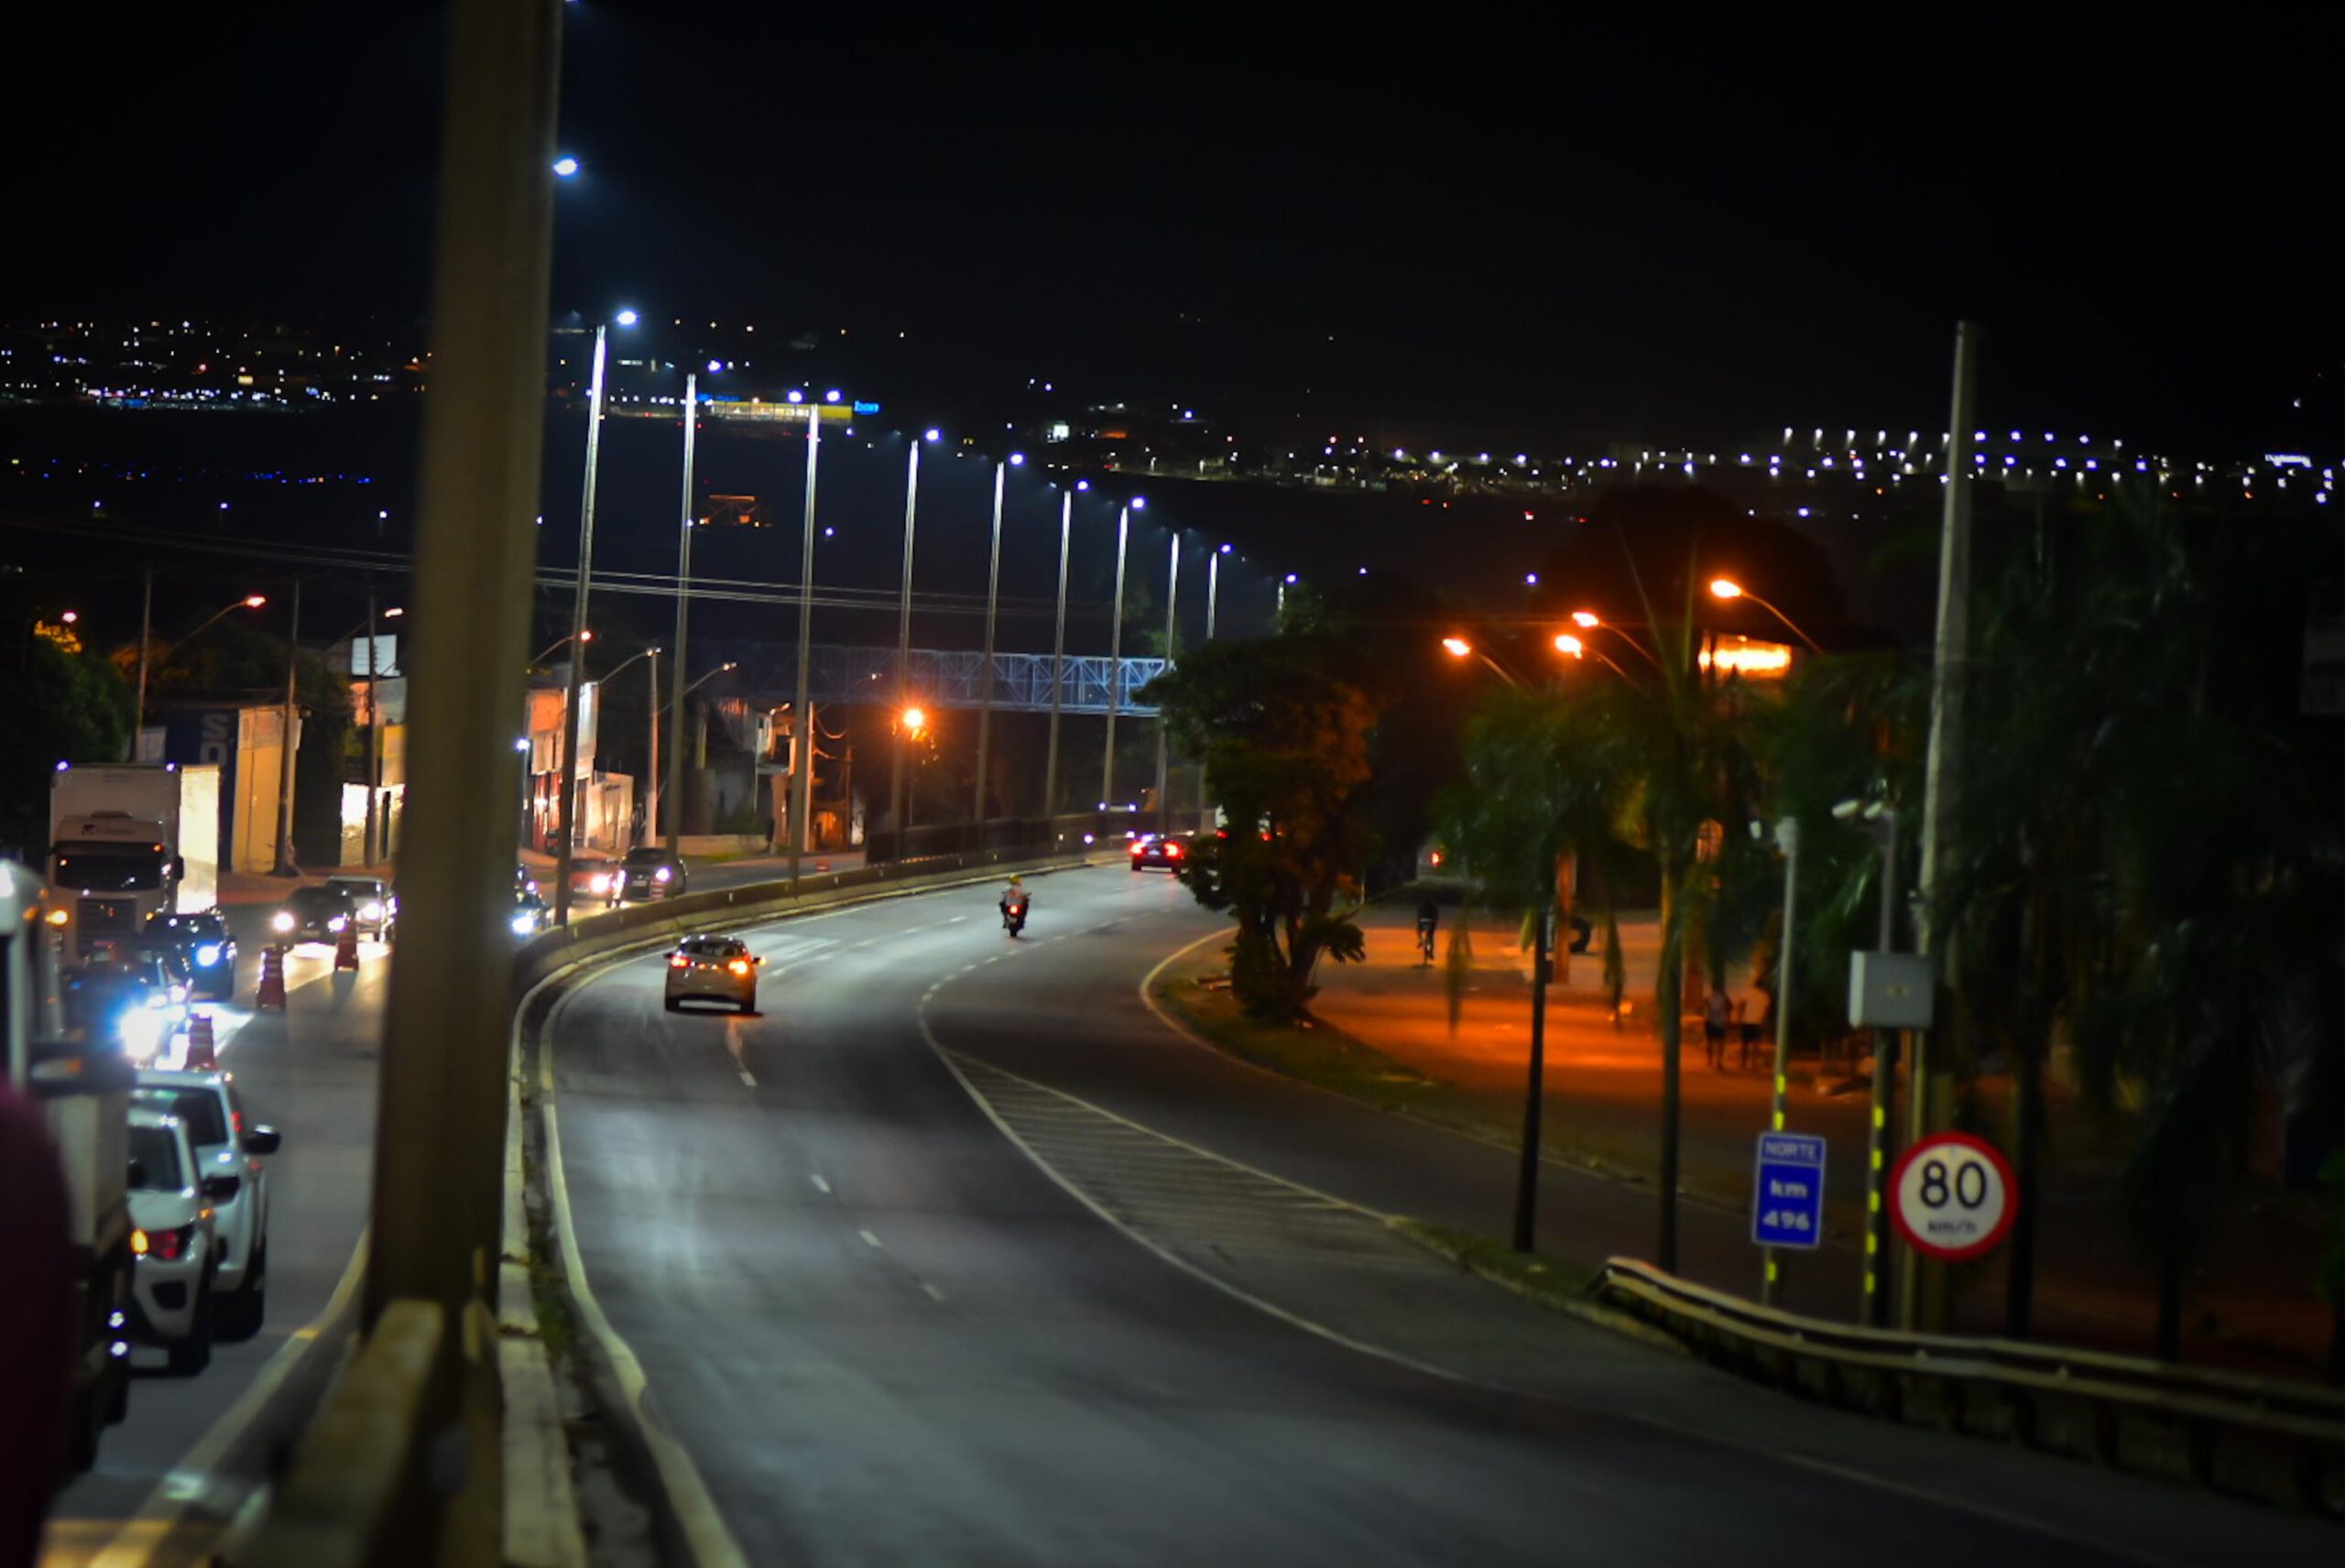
(525, 924)
(371, 913)
(208, 955)
(281, 921)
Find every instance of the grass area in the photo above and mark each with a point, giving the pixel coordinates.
(1531, 1274)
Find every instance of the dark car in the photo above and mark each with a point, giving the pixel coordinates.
(313, 914)
(652, 874)
(129, 996)
(203, 943)
(1160, 850)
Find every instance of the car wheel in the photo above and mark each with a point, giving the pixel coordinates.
(193, 1354)
(672, 1004)
(242, 1313)
(748, 1004)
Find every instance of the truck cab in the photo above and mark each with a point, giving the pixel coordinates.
(127, 843)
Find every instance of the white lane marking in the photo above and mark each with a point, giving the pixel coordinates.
(933, 1293)
(820, 1184)
(746, 1080)
(184, 1484)
(956, 919)
(869, 1239)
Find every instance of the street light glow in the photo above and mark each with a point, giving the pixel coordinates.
(1725, 588)
(1017, 460)
(1457, 645)
(915, 720)
(564, 166)
(1569, 645)
(625, 318)
(1585, 619)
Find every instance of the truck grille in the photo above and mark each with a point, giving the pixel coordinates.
(100, 917)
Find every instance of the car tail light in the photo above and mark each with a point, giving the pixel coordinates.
(678, 961)
(739, 966)
(1138, 848)
(1172, 852)
(163, 1245)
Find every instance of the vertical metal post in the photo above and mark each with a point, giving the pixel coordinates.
(985, 664)
(674, 792)
(374, 741)
(1771, 1285)
(146, 635)
(292, 723)
(801, 713)
(1058, 663)
(1881, 1135)
(903, 653)
(1172, 632)
(1534, 1097)
(439, 1141)
(1921, 1295)
(1213, 588)
(651, 762)
(566, 764)
(1115, 661)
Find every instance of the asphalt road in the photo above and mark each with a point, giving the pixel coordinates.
(308, 1072)
(884, 1332)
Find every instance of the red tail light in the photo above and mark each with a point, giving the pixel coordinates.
(678, 961)
(1138, 848)
(1172, 852)
(163, 1245)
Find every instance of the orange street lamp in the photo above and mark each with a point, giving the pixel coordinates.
(915, 720)
(1727, 588)
(1571, 646)
(1460, 647)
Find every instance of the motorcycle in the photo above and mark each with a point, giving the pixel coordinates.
(1013, 915)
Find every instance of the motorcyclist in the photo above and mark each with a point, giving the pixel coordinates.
(1014, 898)
(1428, 921)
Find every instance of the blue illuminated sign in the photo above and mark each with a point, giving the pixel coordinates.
(1787, 1193)
(863, 407)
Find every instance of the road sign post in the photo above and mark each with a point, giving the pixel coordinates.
(1787, 1191)
(1952, 1197)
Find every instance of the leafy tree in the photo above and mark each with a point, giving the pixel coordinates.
(1284, 725)
(63, 705)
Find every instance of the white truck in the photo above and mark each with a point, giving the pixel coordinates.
(83, 1091)
(129, 841)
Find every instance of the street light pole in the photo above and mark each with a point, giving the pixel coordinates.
(285, 867)
(1058, 664)
(1115, 661)
(672, 797)
(1171, 630)
(985, 665)
(903, 645)
(1526, 1178)
(1771, 1286)
(374, 737)
(1213, 587)
(566, 764)
(651, 765)
(1882, 1135)
(801, 717)
(146, 632)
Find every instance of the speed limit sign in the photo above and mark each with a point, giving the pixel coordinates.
(1952, 1196)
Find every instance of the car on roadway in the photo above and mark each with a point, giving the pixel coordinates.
(206, 942)
(594, 877)
(133, 997)
(652, 874)
(529, 915)
(377, 904)
(229, 1150)
(313, 914)
(713, 969)
(1161, 851)
(172, 1242)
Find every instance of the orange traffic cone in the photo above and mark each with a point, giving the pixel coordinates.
(345, 949)
(201, 1049)
(272, 978)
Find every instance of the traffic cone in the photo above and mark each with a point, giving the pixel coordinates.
(201, 1049)
(272, 978)
(345, 948)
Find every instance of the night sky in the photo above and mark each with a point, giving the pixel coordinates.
(1679, 230)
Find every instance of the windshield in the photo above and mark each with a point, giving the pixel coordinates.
(646, 857)
(186, 928)
(313, 899)
(109, 870)
(207, 1123)
(157, 1151)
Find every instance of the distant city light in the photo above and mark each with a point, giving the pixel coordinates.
(832, 396)
(714, 365)
(625, 318)
(1531, 579)
(566, 167)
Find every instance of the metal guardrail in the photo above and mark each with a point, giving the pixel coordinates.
(2258, 1437)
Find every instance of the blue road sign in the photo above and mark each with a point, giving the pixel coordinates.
(1787, 1194)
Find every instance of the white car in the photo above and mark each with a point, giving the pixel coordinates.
(713, 969)
(376, 905)
(172, 1242)
(228, 1144)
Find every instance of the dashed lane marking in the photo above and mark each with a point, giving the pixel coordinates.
(820, 1184)
(869, 1239)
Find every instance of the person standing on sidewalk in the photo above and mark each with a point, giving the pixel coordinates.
(1718, 1011)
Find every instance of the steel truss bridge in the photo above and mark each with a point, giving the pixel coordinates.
(941, 678)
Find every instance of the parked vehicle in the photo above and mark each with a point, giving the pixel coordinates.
(172, 1300)
(594, 879)
(130, 842)
(713, 969)
(227, 1145)
(83, 1087)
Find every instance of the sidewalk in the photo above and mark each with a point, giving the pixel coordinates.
(2251, 1308)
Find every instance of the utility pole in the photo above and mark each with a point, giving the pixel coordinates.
(801, 775)
(146, 634)
(439, 1160)
(1058, 665)
(374, 739)
(566, 806)
(674, 792)
(1535, 1097)
(1921, 1284)
(1115, 661)
(1770, 1284)
(904, 650)
(985, 664)
(292, 722)
(1172, 632)
(651, 765)
(1881, 1137)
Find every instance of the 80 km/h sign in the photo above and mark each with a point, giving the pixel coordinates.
(1952, 1197)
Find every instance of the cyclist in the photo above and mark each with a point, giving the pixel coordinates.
(1428, 921)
